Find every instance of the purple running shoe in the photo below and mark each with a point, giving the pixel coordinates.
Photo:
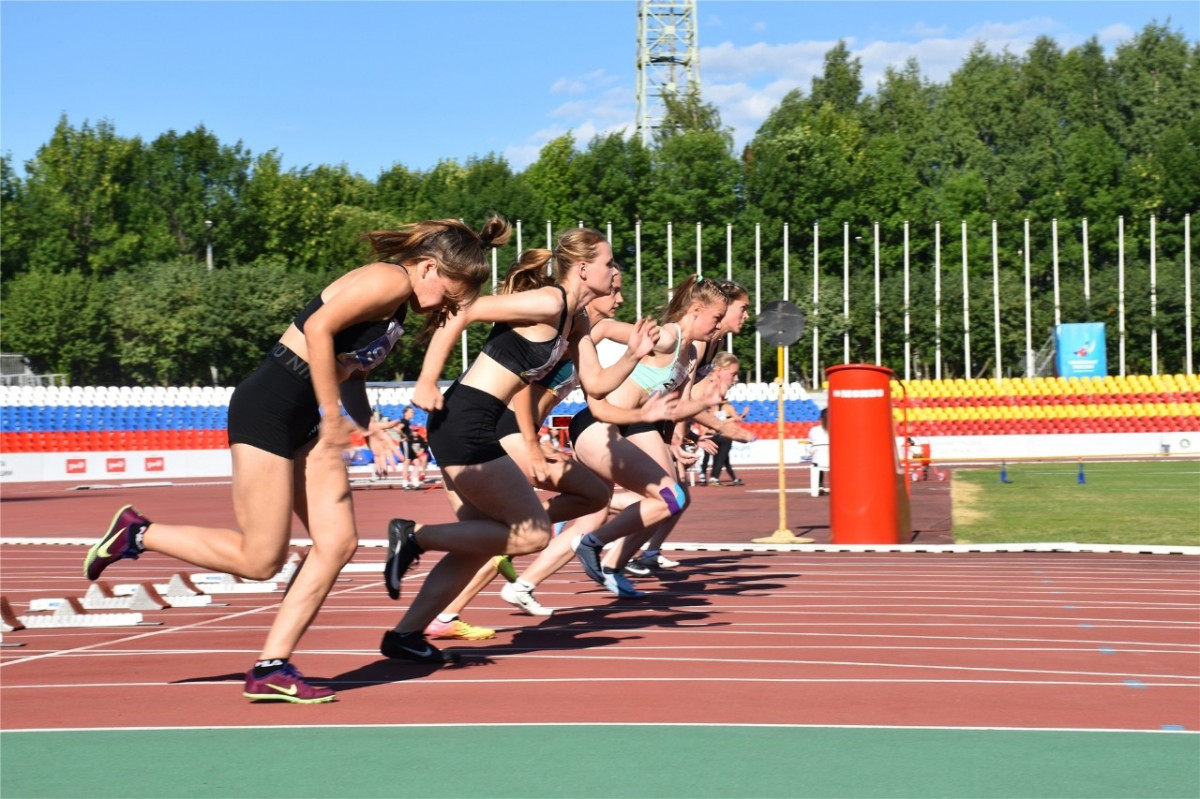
(118, 543)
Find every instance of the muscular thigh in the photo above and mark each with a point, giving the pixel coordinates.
(496, 490)
(262, 497)
(623, 461)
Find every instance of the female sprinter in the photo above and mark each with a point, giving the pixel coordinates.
(287, 434)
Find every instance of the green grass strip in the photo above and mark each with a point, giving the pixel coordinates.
(598, 761)
(1136, 503)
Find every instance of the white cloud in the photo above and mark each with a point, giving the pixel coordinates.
(519, 156)
(1014, 31)
(747, 82)
(567, 86)
(921, 29)
(595, 79)
(727, 62)
(758, 27)
(1115, 34)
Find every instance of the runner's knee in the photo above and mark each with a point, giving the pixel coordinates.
(675, 499)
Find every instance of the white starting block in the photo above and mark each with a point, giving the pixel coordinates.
(215, 583)
(70, 613)
(143, 597)
(175, 594)
(181, 592)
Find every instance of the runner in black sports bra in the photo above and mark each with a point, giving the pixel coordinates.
(471, 438)
(287, 457)
(501, 513)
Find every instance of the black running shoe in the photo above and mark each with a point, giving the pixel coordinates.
(414, 648)
(403, 552)
(636, 568)
(589, 557)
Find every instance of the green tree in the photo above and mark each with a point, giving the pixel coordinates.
(61, 321)
(191, 180)
(165, 331)
(312, 218)
(549, 179)
(76, 198)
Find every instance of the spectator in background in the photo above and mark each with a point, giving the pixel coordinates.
(818, 448)
(725, 412)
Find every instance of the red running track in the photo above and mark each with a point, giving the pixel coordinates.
(1021, 640)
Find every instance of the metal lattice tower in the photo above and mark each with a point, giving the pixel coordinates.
(668, 59)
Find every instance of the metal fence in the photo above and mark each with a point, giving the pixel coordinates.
(949, 257)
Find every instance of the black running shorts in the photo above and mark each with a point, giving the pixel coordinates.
(275, 409)
(463, 431)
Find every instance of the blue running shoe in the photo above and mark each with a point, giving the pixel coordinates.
(589, 558)
(619, 584)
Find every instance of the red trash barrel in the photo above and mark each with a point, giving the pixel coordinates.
(867, 491)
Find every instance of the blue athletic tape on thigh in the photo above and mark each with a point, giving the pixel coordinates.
(675, 498)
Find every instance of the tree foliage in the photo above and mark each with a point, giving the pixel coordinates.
(105, 238)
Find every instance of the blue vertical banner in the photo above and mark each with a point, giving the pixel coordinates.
(1080, 350)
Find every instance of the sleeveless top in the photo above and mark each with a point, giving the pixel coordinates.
(662, 379)
(561, 380)
(706, 361)
(529, 360)
(364, 345)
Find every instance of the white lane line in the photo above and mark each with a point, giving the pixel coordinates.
(706, 725)
(454, 681)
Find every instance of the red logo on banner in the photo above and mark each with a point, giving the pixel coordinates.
(155, 464)
(114, 464)
(76, 465)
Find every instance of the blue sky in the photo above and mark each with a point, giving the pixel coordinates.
(371, 84)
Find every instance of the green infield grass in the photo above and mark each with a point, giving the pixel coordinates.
(1136, 503)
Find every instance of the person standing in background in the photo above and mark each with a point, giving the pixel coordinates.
(818, 448)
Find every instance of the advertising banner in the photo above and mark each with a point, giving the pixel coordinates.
(1080, 350)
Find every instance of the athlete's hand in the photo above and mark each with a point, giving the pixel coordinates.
(643, 337)
(335, 432)
(683, 456)
(427, 396)
(735, 431)
(384, 448)
(660, 407)
(537, 461)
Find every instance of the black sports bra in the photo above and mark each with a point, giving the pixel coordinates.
(361, 346)
(530, 360)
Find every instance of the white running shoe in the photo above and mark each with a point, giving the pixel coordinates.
(523, 598)
(666, 563)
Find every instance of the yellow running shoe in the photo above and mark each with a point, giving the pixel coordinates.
(457, 628)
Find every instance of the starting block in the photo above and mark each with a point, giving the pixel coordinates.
(179, 592)
(70, 613)
(100, 596)
(215, 583)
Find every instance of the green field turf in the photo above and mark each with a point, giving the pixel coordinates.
(1136, 503)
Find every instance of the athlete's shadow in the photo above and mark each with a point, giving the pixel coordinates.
(235, 677)
(387, 670)
(723, 577)
(378, 673)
